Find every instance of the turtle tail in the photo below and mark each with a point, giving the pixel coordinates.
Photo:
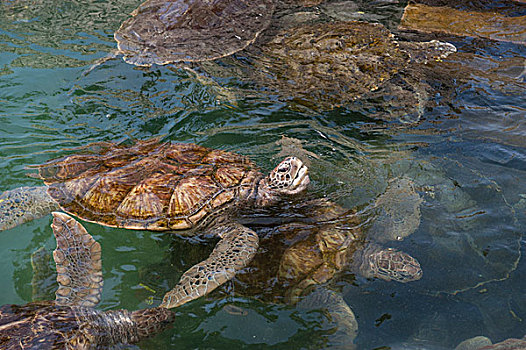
(24, 204)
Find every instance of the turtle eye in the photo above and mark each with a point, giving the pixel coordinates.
(283, 168)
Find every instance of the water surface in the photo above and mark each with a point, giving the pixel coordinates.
(466, 155)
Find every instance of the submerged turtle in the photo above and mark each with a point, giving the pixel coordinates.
(170, 31)
(162, 187)
(297, 261)
(162, 32)
(333, 64)
(325, 64)
(70, 321)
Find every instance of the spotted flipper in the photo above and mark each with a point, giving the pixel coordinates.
(233, 252)
(397, 211)
(338, 313)
(79, 264)
(24, 204)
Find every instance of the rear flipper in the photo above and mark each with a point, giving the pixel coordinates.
(111, 56)
(338, 313)
(223, 94)
(79, 264)
(24, 204)
(234, 251)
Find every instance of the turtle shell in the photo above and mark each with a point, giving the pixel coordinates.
(295, 256)
(162, 32)
(331, 63)
(150, 185)
(57, 326)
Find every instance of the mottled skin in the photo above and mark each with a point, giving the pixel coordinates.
(70, 321)
(163, 187)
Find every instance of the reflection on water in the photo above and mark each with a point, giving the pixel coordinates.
(465, 154)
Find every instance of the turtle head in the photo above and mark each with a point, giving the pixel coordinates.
(290, 177)
(390, 264)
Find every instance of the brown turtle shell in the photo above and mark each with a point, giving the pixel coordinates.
(295, 256)
(150, 185)
(331, 63)
(57, 325)
(162, 31)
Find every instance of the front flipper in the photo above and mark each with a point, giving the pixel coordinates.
(234, 251)
(338, 313)
(79, 265)
(24, 204)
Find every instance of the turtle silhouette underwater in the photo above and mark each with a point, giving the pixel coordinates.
(324, 64)
(71, 321)
(165, 32)
(336, 63)
(351, 64)
(163, 187)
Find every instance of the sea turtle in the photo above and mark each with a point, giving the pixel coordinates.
(320, 63)
(162, 187)
(170, 31)
(163, 32)
(70, 321)
(336, 63)
(298, 261)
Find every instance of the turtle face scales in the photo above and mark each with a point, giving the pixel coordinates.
(290, 177)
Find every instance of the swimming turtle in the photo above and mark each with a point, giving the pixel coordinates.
(333, 64)
(70, 321)
(162, 32)
(162, 187)
(298, 261)
(170, 31)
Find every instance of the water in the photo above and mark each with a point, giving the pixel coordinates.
(466, 156)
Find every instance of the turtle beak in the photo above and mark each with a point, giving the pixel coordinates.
(301, 181)
(300, 176)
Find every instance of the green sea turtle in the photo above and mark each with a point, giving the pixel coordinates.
(319, 63)
(163, 32)
(70, 321)
(342, 62)
(171, 31)
(163, 187)
(298, 262)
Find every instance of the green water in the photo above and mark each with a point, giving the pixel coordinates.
(467, 157)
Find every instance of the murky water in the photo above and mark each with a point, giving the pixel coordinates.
(466, 156)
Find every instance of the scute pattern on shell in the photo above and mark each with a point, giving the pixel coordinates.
(150, 185)
(163, 31)
(56, 325)
(333, 63)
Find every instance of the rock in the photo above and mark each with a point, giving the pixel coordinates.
(474, 343)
